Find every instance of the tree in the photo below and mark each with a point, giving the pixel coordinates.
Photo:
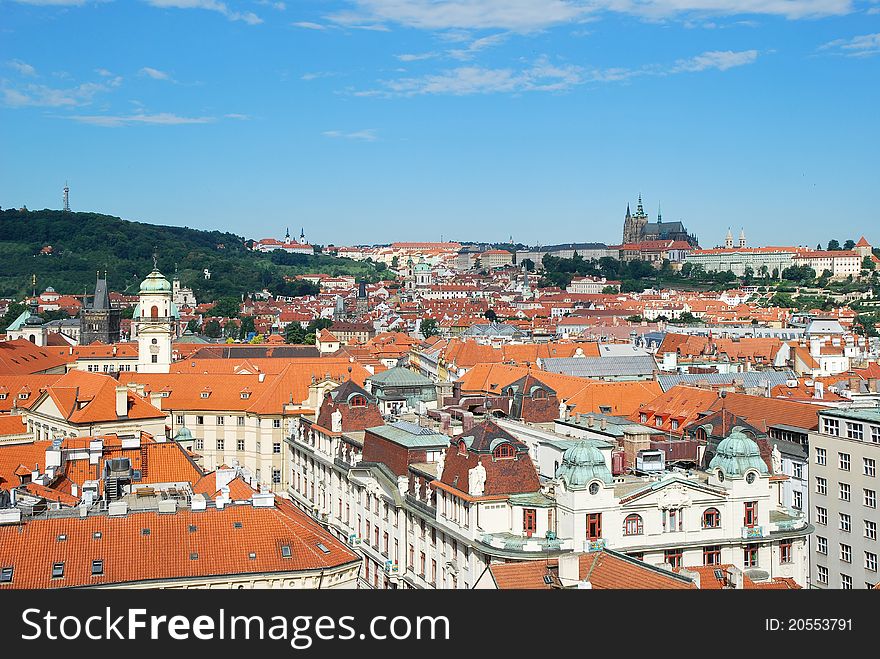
(491, 316)
(686, 269)
(609, 290)
(226, 307)
(294, 333)
(748, 275)
(688, 318)
(868, 263)
(193, 326)
(13, 311)
(529, 265)
(833, 246)
(247, 326)
(849, 244)
(395, 263)
(428, 328)
(213, 329)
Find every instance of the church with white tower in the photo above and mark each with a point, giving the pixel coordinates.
(154, 323)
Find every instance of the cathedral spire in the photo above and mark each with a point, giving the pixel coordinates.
(628, 214)
(659, 214)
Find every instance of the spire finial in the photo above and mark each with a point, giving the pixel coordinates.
(155, 260)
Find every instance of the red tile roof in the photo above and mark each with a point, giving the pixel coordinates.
(183, 545)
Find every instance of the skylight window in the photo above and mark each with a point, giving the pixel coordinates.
(97, 535)
(194, 556)
(61, 538)
(58, 570)
(252, 555)
(236, 525)
(285, 551)
(145, 531)
(193, 528)
(323, 548)
(6, 574)
(97, 567)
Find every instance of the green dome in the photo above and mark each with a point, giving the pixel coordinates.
(155, 283)
(183, 435)
(737, 453)
(581, 464)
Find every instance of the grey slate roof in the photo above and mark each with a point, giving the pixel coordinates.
(400, 377)
(750, 379)
(601, 366)
(410, 435)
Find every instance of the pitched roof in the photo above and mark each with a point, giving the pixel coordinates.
(21, 357)
(605, 570)
(83, 397)
(182, 545)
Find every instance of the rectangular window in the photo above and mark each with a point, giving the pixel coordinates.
(875, 434)
(831, 426)
(855, 431)
(220, 444)
(821, 485)
(845, 582)
(240, 420)
(239, 445)
(530, 521)
(870, 467)
(385, 543)
(433, 572)
(180, 419)
(751, 513)
(870, 530)
(750, 557)
(6, 574)
(845, 523)
(797, 500)
(821, 545)
(843, 461)
(57, 570)
(797, 470)
(821, 458)
(871, 498)
(870, 561)
(200, 420)
(594, 526)
(712, 555)
(845, 553)
(822, 574)
(276, 423)
(844, 491)
(422, 564)
(276, 448)
(97, 567)
(220, 420)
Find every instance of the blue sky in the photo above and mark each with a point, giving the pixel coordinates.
(377, 120)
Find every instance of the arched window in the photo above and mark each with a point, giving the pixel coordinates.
(357, 401)
(154, 341)
(711, 518)
(539, 394)
(462, 448)
(505, 450)
(701, 434)
(154, 311)
(632, 525)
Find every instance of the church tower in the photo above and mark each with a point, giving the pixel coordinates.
(728, 241)
(154, 322)
(742, 238)
(634, 225)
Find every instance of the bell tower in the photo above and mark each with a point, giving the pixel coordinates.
(154, 322)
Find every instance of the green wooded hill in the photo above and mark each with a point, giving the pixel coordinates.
(83, 243)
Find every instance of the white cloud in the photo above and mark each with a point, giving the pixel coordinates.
(365, 135)
(212, 5)
(23, 68)
(715, 59)
(236, 115)
(543, 75)
(477, 45)
(465, 80)
(529, 15)
(104, 72)
(34, 95)
(861, 46)
(280, 6)
(155, 74)
(306, 25)
(61, 3)
(316, 75)
(415, 57)
(160, 119)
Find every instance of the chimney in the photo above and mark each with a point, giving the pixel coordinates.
(467, 421)
(569, 569)
(589, 420)
(604, 424)
(156, 399)
(122, 401)
(223, 477)
(815, 347)
(445, 418)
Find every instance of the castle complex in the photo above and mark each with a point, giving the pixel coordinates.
(637, 228)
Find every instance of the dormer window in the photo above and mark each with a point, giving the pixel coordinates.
(505, 450)
(357, 401)
(245, 395)
(205, 394)
(462, 448)
(2, 396)
(24, 396)
(539, 394)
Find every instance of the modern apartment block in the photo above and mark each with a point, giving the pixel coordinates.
(844, 453)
